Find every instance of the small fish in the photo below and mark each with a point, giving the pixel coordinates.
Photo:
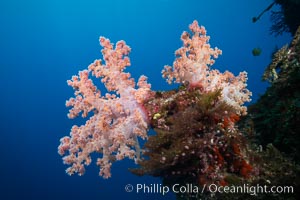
(256, 51)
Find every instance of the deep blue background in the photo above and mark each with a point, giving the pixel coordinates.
(44, 43)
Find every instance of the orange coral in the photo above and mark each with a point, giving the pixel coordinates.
(243, 168)
(246, 169)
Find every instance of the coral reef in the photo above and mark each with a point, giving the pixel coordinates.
(273, 123)
(286, 19)
(276, 115)
(197, 139)
(123, 114)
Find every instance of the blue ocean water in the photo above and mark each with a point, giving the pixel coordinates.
(44, 43)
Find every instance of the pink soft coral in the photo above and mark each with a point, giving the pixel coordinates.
(117, 120)
(192, 66)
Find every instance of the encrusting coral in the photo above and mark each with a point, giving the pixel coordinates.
(196, 141)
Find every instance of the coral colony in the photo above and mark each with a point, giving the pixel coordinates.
(196, 138)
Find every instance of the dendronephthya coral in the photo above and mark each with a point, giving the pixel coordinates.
(196, 135)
